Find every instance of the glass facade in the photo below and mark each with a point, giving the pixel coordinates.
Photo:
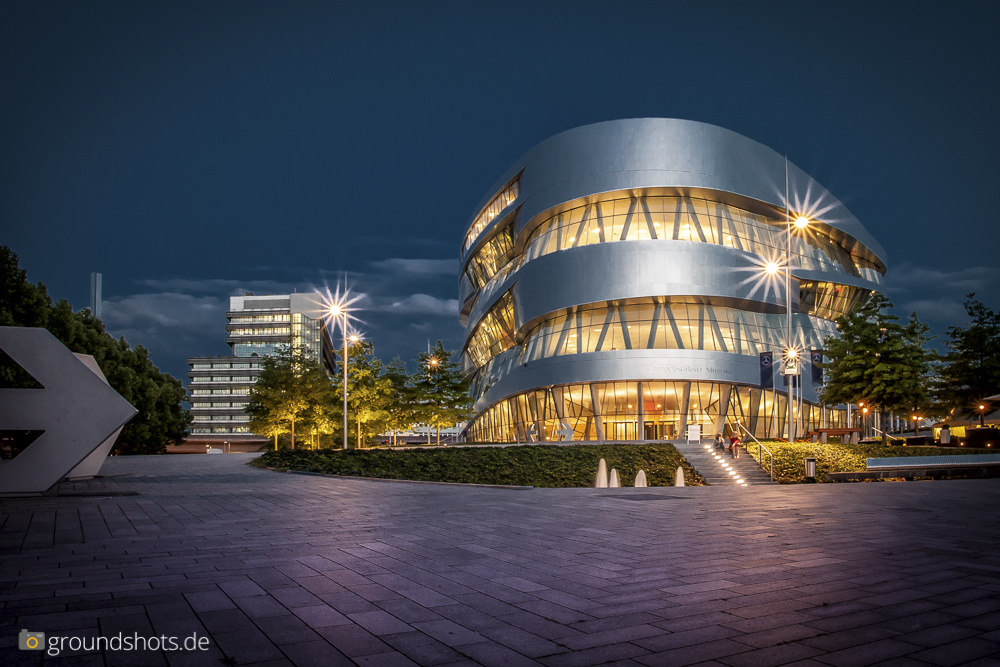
(504, 199)
(651, 325)
(494, 334)
(829, 300)
(641, 410)
(491, 258)
(307, 333)
(250, 349)
(687, 219)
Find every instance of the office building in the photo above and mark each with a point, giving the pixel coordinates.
(615, 286)
(219, 386)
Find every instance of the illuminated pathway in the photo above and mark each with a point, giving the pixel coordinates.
(283, 569)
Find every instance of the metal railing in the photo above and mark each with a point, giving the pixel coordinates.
(761, 451)
(888, 435)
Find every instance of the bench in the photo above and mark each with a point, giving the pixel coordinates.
(821, 434)
(908, 467)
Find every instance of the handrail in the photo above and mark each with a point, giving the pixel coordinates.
(763, 449)
(888, 435)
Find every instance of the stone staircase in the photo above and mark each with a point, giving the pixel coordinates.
(712, 464)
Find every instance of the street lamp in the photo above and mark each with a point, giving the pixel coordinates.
(982, 416)
(338, 308)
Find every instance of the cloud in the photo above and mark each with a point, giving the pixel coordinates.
(969, 279)
(935, 310)
(418, 304)
(425, 266)
(217, 285)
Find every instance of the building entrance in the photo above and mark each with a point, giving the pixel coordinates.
(623, 431)
(658, 431)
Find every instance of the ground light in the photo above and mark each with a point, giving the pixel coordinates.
(727, 467)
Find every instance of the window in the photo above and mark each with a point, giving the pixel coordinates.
(253, 319)
(647, 324)
(494, 334)
(200, 366)
(491, 258)
(647, 217)
(829, 300)
(492, 210)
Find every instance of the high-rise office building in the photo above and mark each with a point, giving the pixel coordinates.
(219, 386)
(96, 284)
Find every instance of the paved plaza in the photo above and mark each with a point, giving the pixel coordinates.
(285, 569)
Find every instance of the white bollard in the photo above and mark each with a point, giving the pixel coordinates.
(602, 475)
(679, 477)
(640, 480)
(614, 482)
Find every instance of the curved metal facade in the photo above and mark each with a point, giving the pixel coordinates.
(617, 289)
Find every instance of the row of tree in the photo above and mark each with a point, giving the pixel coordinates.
(295, 397)
(158, 396)
(887, 365)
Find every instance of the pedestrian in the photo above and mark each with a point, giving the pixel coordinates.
(736, 447)
(720, 442)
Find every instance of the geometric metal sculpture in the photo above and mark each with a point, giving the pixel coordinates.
(91, 465)
(77, 410)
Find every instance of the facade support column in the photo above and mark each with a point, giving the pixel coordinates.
(720, 419)
(595, 404)
(685, 404)
(640, 433)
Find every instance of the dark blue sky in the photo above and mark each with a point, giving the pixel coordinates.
(190, 150)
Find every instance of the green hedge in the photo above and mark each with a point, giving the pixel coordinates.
(789, 464)
(529, 465)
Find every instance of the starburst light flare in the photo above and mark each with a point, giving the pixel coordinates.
(338, 308)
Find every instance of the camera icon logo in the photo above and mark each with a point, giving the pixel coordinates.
(31, 641)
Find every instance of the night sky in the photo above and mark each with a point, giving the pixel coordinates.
(188, 151)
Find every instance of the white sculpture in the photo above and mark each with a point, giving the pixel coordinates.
(77, 410)
(679, 477)
(613, 481)
(91, 465)
(602, 475)
(640, 480)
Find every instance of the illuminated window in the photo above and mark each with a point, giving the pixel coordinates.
(491, 258)
(494, 333)
(644, 324)
(690, 219)
(829, 300)
(492, 210)
(640, 410)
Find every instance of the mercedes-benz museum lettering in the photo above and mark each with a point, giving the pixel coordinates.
(621, 282)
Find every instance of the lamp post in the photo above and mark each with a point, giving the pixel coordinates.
(431, 362)
(982, 416)
(339, 310)
(791, 354)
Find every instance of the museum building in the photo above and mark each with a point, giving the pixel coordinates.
(619, 282)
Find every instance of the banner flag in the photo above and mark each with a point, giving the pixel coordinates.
(816, 357)
(766, 370)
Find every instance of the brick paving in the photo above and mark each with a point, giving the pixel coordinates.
(284, 569)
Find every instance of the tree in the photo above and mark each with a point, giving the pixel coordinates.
(878, 361)
(971, 369)
(369, 391)
(441, 389)
(290, 384)
(158, 397)
(403, 405)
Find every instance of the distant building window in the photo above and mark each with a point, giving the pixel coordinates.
(202, 366)
(492, 210)
(220, 365)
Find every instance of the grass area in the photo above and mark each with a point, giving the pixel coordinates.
(789, 466)
(528, 465)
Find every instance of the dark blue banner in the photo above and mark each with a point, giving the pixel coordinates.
(766, 370)
(816, 357)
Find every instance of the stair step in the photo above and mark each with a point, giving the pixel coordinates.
(713, 469)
